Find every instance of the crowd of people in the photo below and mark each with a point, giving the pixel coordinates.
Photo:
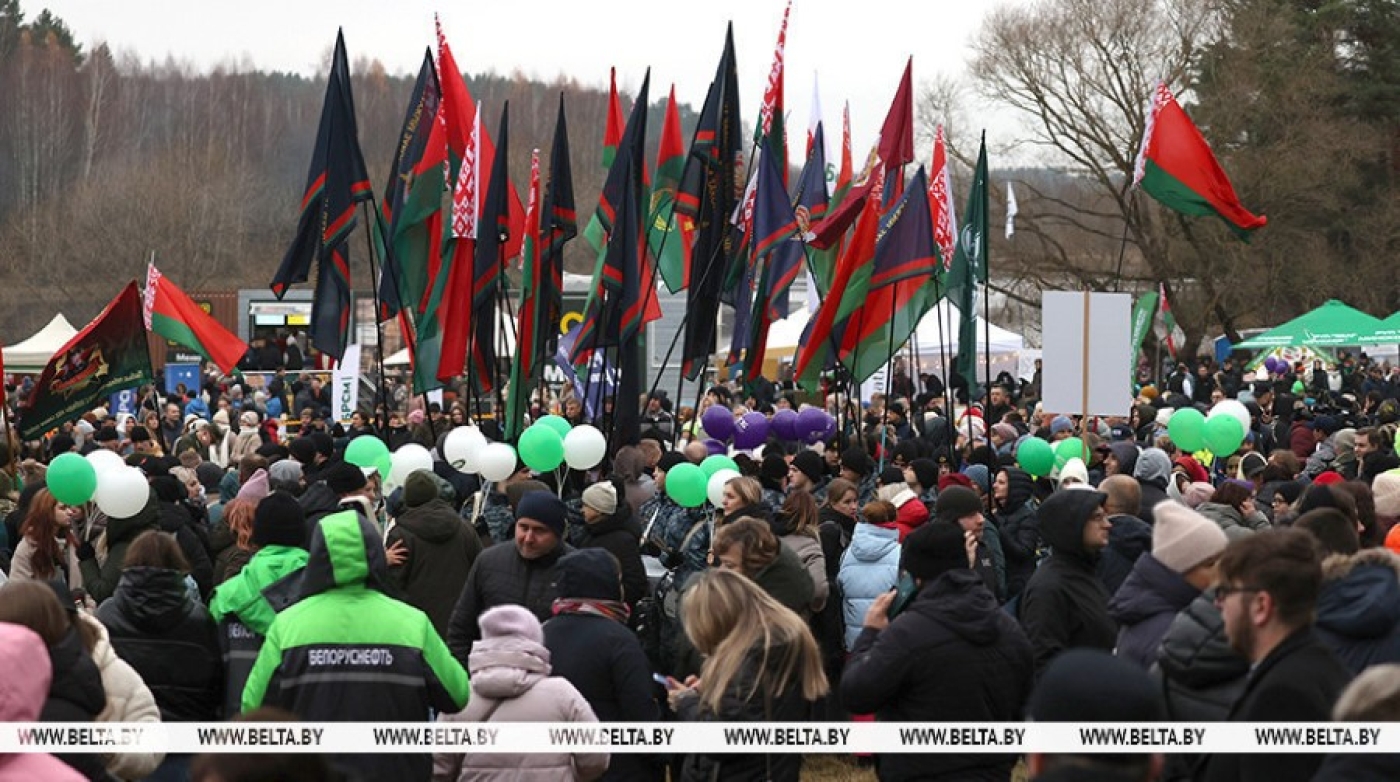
(906, 569)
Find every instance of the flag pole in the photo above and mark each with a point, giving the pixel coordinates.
(889, 381)
(381, 403)
(943, 358)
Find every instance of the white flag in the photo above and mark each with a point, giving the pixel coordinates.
(1010, 211)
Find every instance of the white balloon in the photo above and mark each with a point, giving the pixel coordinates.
(1232, 407)
(462, 448)
(584, 447)
(409, 457)
(103, 460)
(715, 488)
(122, 493)
(497, 462)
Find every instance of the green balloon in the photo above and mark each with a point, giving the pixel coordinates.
(558, 423)
(685, 483)
(541, 447)
(1070, 448)
(1297, 387)
(1035, 456)
(367, 451)
(1224, 433)
(714, 463)
(71, 479)
(1187, 428)
(383, 466)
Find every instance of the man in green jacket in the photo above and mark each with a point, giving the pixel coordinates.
(347, 652)
(245, 605)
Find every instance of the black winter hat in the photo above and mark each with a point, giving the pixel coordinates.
(891, 475)
(926, 470)
(279, 521)
(857, 460)
(955, 502)
(343, 477)
(809, 463)
(545, 508)
(106, 435)
(774, 468)
(932, 550)
(1091, 685)
(670, 459)
(303, 449)
(588, 573)
(139, 434)
(209, 475)
(168, 488)
(419, 488)
(323, 443)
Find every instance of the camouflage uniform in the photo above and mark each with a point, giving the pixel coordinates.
(668, 531)
(497, 518)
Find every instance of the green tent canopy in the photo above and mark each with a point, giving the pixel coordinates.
(1331, 325)
(1386, 333)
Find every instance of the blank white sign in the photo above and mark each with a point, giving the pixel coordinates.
(1086, 373)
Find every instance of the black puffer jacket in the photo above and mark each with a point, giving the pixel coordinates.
(1201, 676)
(1065, 605)
(75, 695)
(952, 656)
(442, 547)
(1019, 531)
(500, 576)
(153, 622)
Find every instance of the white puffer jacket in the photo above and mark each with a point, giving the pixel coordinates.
(128, 700)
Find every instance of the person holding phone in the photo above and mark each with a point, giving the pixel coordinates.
(951, 655)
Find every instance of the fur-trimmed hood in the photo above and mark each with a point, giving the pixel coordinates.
(1338, 566)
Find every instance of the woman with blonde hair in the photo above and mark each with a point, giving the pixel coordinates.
(743, 496)
(761, 665)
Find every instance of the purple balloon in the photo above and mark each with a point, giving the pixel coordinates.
(751, 431)
(718, 422)
(784, 424)
(811, 424)
(715, 447)
(829, 425)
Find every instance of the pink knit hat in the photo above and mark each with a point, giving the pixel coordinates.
(256, 488)
(1197, 493)
(511, 621)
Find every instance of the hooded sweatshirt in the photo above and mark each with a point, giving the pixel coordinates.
(348, 652)
(1153, 472)
(1065, 605)
(441, 549)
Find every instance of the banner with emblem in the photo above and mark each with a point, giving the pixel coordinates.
(108, 355)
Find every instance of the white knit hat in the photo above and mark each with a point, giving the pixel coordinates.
(1074, 468)
(1387, 491)
(1183, 538)
(601, 497)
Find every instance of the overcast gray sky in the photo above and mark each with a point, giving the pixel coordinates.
(856, 48)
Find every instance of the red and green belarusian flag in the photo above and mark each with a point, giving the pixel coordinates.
(668, 234)
(171, 313)
(521, 370)
(595, 232)
(1176, 167)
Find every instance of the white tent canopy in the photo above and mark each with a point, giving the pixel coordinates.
(932, 341)
(33, 354)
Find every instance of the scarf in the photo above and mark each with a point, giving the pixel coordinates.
(615, 610)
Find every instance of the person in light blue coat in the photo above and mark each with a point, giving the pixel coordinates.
(870, 566)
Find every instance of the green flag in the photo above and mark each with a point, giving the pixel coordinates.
(1143, 311)
(970, 267)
